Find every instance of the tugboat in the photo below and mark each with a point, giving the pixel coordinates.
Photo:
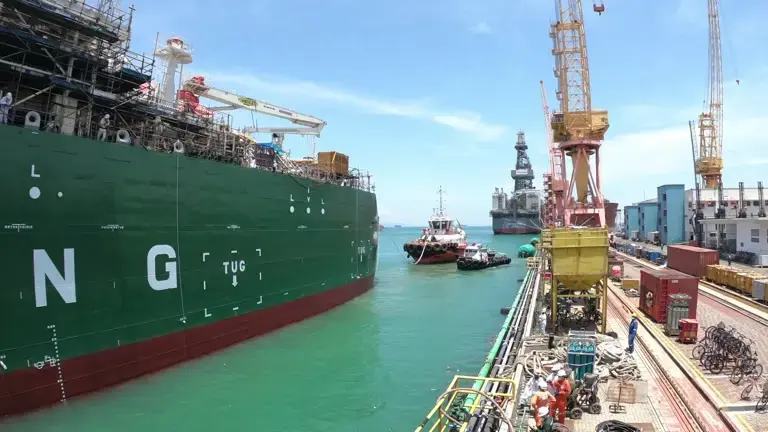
(477, 257)
(442, 241)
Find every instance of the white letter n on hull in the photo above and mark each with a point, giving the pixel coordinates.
(44, 269)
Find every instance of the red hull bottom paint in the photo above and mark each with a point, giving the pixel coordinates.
(30, 389)
(517, 231)
(437, 259)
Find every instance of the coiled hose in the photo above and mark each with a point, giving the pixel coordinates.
(610, 358)
(615, 426)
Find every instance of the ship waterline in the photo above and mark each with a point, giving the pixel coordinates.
(120, 260)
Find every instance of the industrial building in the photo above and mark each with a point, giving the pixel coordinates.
(631, 221)
(672, 219)
(709, 207)
(741, 235)
(661, 219)
(672, 215)
(649, 220)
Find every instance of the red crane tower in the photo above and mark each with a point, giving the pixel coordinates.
(555, 180)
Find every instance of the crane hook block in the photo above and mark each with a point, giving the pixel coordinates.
(599, 8)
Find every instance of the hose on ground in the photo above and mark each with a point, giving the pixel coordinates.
(610, 359)
(615, 426)
(503, 417)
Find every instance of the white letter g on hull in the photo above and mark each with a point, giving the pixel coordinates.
(170, 267)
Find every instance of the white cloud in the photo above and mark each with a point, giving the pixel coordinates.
(633, 160)
(481, 28)
(467, 122)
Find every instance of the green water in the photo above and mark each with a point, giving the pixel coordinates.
(376, 364)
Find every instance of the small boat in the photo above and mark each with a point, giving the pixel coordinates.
(477, 257)
(442, 241)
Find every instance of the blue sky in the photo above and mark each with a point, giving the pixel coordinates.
(426, 93)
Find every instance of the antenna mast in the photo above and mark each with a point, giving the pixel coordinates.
(440, 193)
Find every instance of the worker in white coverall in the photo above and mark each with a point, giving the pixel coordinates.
(543, 322)
(103, 125)
(5, 107)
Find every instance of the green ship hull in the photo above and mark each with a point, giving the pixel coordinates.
(122, 261)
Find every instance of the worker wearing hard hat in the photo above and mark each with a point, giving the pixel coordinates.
(541, 399)
(547, 422)
(562, 391)
(632, 333)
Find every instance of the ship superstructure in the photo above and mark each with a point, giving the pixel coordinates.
(142, 228)
(520, 212)
(442, 241)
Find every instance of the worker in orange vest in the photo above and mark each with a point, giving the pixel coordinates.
(541, 398)
(562, 391)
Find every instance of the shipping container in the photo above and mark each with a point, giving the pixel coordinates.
(759, 288)
(691, 260)
(657, 285)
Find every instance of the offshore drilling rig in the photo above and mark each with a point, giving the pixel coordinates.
(521, 213)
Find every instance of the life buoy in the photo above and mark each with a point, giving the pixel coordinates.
(178, 147)
(123, 137)
(32, 120)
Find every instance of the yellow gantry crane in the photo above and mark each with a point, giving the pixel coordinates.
(577, 129)
(709, 158)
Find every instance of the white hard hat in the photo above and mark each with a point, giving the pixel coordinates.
(542, 384)
(561, 373)
(543, 411)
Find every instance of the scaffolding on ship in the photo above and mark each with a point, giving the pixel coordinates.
(67, 64)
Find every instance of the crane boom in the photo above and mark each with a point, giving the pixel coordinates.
(576, 120)
(312, 125)
(709, 163)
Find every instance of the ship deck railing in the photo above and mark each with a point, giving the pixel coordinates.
(110, 23)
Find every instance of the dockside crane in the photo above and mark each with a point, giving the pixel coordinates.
(709, 160)
(708, 155)
(556, 177)
(577, 129)
(698, 214)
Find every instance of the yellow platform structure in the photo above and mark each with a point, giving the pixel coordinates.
(579, 262)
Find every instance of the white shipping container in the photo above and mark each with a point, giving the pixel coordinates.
(758, 289)
(634, 234)
(652, 236)
(762, 260)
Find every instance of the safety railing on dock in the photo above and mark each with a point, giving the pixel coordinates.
(475, 403)
(456, 405)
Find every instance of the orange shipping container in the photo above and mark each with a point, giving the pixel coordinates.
(691, 260)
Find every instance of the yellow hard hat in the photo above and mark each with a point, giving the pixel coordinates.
(633, 315)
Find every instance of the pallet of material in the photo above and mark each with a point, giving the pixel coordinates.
(335, 162)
